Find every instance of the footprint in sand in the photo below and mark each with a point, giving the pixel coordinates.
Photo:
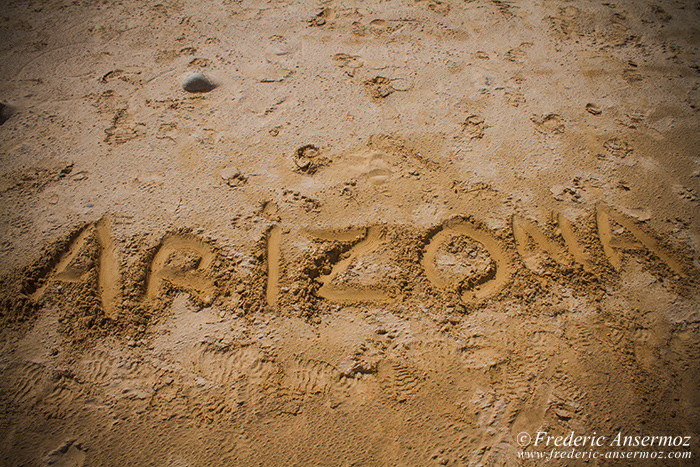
(474, 127)
(552, 124)
(70, 453)
(372, 166)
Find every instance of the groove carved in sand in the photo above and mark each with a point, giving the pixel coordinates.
(373, 238)
(349, 235)
(573, 244)
(273, 265)
(108, 270)
(484, 286)
(612, 246)
(194, 280)
(61, 270)
(523, 230)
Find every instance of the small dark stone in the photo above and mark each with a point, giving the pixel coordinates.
(197, 82)
(593, 109)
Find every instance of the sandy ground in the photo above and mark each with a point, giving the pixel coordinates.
(397, 232)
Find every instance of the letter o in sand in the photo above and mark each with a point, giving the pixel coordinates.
(487, 285)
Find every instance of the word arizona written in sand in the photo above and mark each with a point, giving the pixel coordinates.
(458, 255)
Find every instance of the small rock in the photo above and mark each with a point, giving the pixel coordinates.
(593, 109)
(197, 82)
(4, 114)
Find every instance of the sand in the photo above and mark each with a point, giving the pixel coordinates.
(397, 233)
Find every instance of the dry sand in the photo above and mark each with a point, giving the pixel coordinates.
(397, 232)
